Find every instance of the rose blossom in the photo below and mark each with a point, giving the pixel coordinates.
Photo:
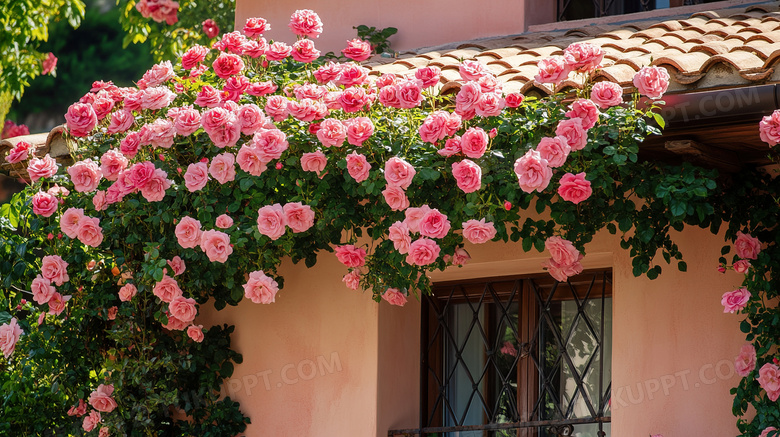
(69, 222)
(250, 118)
(270, 144)
(747, 246)
(736, 300)
(490, 105)
(167, 289)
(410, 93)
(231, 42)
(222, 168)
(396, 198)
(422, 252)
(353, 99)
(210, 28)
(261, 288)
(471, 70)
(769, 128)
(358, 167)
(81, 119)
(652, 81)
(158, 74)
(478, 232)
(250, 161)
(85, 175)
(175, 324)
(746, 361)
(177, 265)
(271, 221)
(562, 251)
(277, 51)
(44, 204)
(196, 177)
(434, 224)
(352, 280)
(193, 56)
(399, 235)
(561, 273)
(227, 65)
(216, 245)
(413, 217)
(467, 98)
(572, 131)
(188, 232)
(429, 76)
(461, 257)
(314, 162)
(303, 51)
(208, 97)
(359, 130)
(79, 410)
(101, 399)
(332, 133)
(121, 121)
(473, 143)
(606, 94)
(468, 175)
(19, 153)
(156, 98)
(299, 217)
(130, 144)
(769, 379)
(451, 147)
(91, 421)
(127, 292)
(42, 290)
(394, 297)
(574, 188)
(433, 128)
(741, 266)
(195, 332)
(41, 168)
(255, 27)
(532, 172)
(183, 308)
(583, 57)
(765, 432)
(399, 172)
(305, 22)
(224, 221)
(586, 111)
(234, 87)
(554, 151)
(388, 96)
(112, 163)
(154, 189)
(552, 70)
(53, 268)
(351, 256)
(357, 50)
(90, 232)
(514, 100)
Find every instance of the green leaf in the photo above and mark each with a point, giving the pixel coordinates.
(659, 119)
(682, 266)
(428, 174)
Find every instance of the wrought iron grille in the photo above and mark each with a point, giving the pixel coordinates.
(582, 9)
(517, 357)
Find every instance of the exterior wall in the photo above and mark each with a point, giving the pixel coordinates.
(419, 24)
(672, 363)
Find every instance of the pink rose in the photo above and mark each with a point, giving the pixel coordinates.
(574, 188)
(196, 177)
(434, 224)
(231, 42)
(79, 410)
(468, 175)
(222, 168)
(388, 96)
(554, 151)
(250, 160)
(451, 147)
(410, 93)
(224, 221)
(467, 98)
(130, 144)
(44, 204)
(399, 235)
(747, 246)
(261, 288)
(765, 432)
(478, 232)
(474, 142)
(583, 57)
(471, 70)
(42, 290)
(227, 65)
(351, 256)
(352, 280)
(57, 303)
(193, 56)
(606, 94)
(161, 133)
(208, 97)
(305, 22)
(358, 167)
(41, 168)
(234, 87)
(561, 273)
(359, 130)
(141, 173)
(434, 127)
(154, 189)
(158, 74)
(332, 133)
(101, 399)
(69, 222)
(277, 51)
(394, 297)
(746, 361)
(91, 421)
(121, 121)
(54, 269)
(357, 50)
(250, 118)
(314, 162)
(572, 131)
(195, 332)
(769, 128)
(552, 70)
(461, 257)
(562, 251)
(270, 144)
(422, 252)
(741, 266)
(399, 173)
(210, 28)
(255, 27)
(532, 172)
(429, 76)
(19, 153)
(175, 324)
(156, 98)
(490, 105)
(127, 292)
(396, 198)
(81, 119)
(303, 51)
(299, 217)
(90, 232)
(112, 163)
(188, 232)
(183, 308)
(353, 99)
(514, 100)
(177, 264)
(769, 379)
(167, 289)
(271, 221)
(652, 81)
(49, 64)
(216, 245)
(413, 217)
(187, 121)
(586, 111)
(736, 300)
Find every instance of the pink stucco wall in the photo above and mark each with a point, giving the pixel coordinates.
(339, 364)
(419, 23)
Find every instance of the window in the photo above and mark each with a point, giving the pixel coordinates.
(524, 357)
(581, 9)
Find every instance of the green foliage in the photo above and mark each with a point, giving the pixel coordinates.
(378, 38)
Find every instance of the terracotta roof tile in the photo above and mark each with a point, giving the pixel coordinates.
(717, 48)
